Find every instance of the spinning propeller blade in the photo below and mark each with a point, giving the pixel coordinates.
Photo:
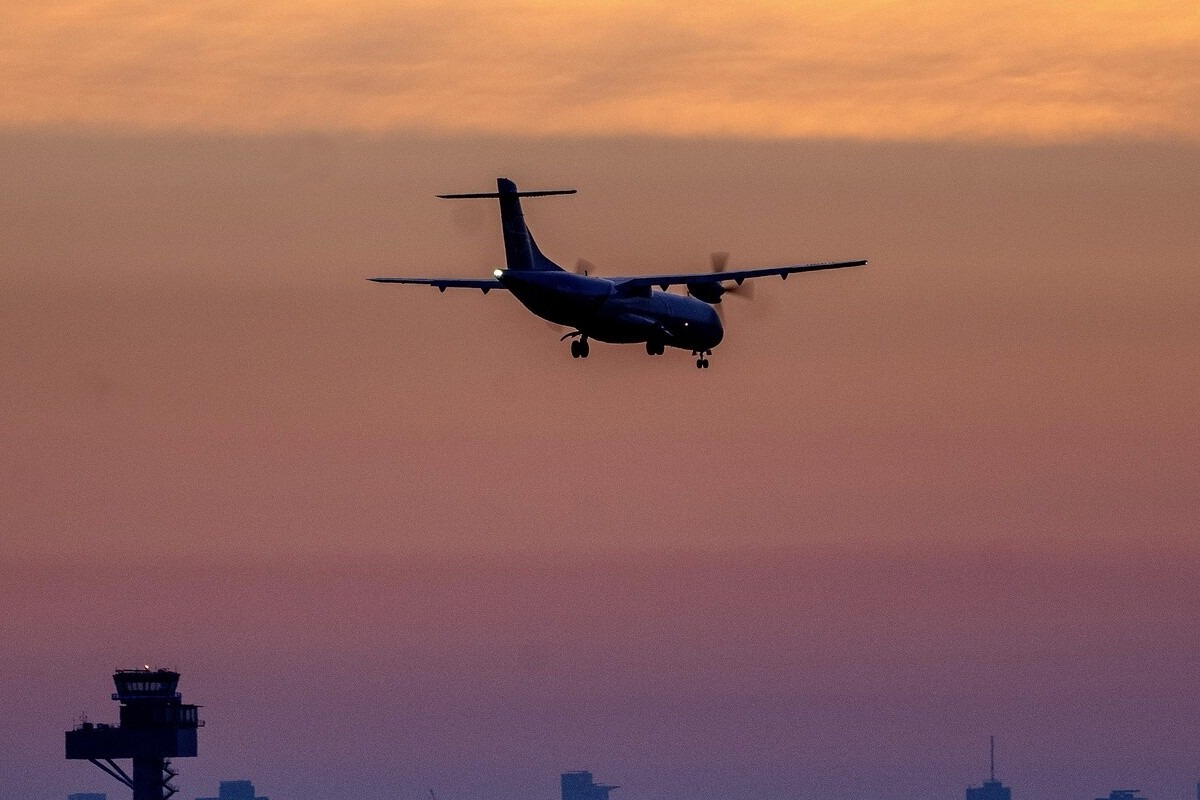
(713, 294)
(745, 290)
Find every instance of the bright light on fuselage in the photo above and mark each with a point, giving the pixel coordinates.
(498, 272)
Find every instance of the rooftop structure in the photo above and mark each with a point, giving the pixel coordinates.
(580, 786)
(991, 789)
(234, 790)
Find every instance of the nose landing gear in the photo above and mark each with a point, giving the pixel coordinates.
(579, 347)
(654, 348)
(702, 358)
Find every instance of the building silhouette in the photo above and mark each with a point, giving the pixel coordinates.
(87, 796)
(992, 789)
(234, 790)
(1128, 794)
(580, 786)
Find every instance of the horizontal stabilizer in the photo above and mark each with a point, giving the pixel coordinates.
(494, 195)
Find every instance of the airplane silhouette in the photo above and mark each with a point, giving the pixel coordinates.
(618, 310)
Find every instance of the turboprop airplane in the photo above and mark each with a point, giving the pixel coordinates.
(618, 310)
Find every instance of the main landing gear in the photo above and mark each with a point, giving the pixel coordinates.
(579, 347)
(655, 348)
(702, 358)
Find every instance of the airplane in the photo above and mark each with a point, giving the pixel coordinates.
(617, 310)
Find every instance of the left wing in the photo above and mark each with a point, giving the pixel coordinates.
(737, 275)
(442, 284)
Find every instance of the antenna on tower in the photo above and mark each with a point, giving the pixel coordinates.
(992, 756)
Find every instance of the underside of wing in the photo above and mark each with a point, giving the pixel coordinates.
(737, 276)
(442, 284)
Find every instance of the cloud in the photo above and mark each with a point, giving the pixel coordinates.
(868, 70)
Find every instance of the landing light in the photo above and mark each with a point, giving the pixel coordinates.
(498, 273)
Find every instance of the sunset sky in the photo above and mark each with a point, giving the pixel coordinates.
(396, 539)
(932, 69)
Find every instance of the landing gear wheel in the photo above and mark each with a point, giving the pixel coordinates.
(574, 349)
(655, 348)
(584, 348)
(701, 363)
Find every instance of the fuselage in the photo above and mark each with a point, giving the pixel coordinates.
(604, 310)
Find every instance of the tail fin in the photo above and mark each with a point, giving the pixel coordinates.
(520, 250)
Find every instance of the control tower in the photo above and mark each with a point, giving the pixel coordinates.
(155, 727)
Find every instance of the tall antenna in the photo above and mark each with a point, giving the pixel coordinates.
(992, 756)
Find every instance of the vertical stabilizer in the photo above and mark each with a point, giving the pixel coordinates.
(520, 250)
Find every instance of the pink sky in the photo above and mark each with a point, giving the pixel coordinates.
(949, 495)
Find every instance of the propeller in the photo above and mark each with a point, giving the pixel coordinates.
(712, 293)
(745, 290)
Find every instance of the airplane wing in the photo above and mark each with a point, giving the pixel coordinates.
(736, 275)
(442, 284)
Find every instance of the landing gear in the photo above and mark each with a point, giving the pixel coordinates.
(580, 348)
(702, 358)
(655, 348)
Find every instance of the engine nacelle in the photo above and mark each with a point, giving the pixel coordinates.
(708, 292)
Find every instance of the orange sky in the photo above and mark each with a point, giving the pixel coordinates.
(191, 310)
(936, 69)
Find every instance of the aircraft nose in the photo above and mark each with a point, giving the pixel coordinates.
(718, 333)
(714, 329)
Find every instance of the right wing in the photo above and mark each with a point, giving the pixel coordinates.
(737, 275)
(442, 284)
